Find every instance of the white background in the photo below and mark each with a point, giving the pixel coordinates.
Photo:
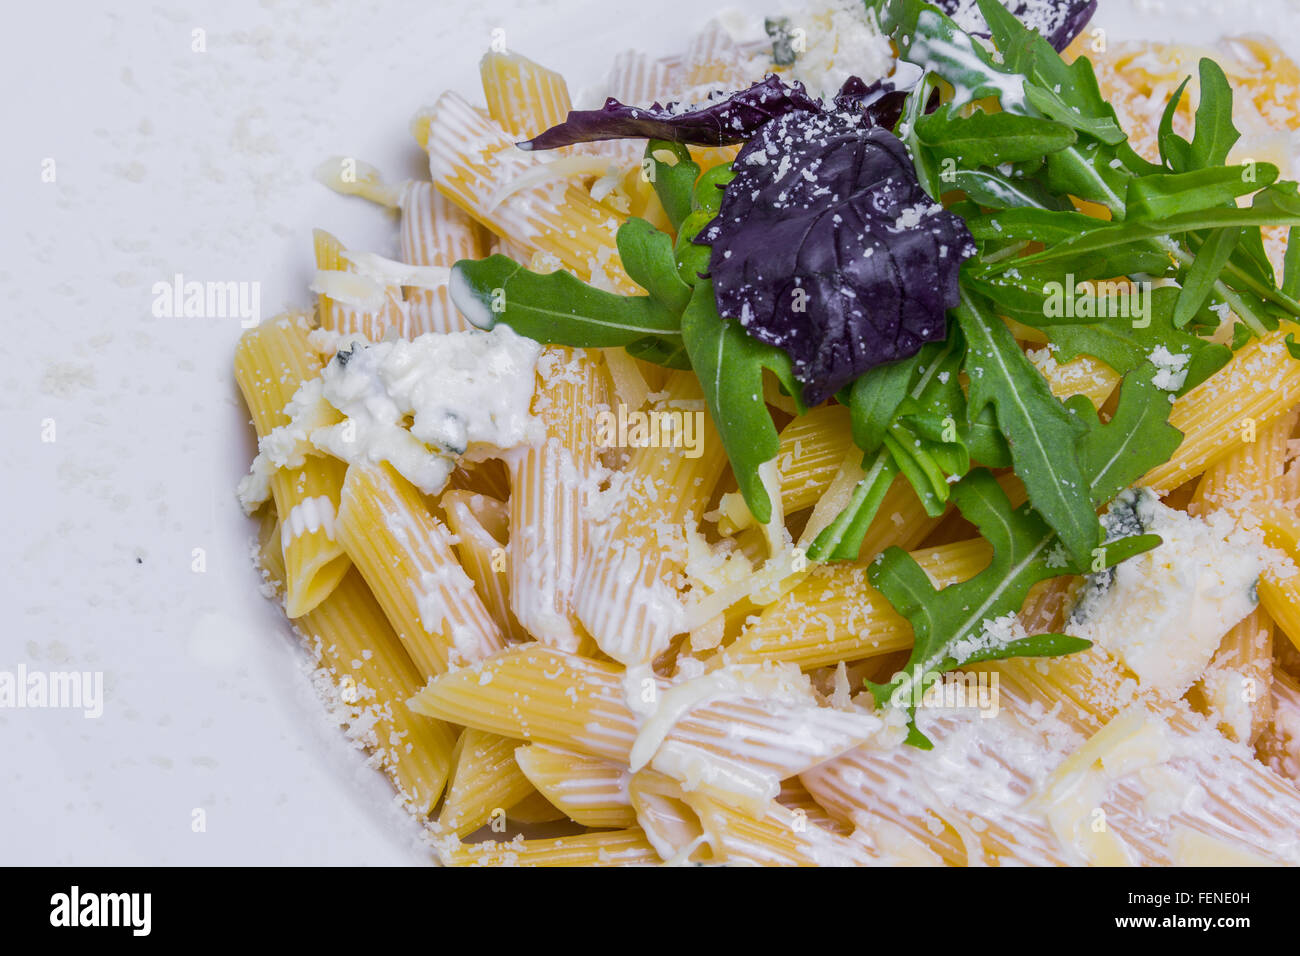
(170, 161)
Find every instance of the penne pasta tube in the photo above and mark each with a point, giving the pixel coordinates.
(835, 614)
(670, 824)
(523, 97)
(628, 594)
(475, 164)
(737, 731)
(435, 232)
(779, 836)
(812, 448)
(271, 361)
(604, 848)
(405, 554)
(1259, 384)
(351, 304)
(373, 677)
(481, 527)
(586, 789)
(549, 484)
(485, 783)
(1278, 745)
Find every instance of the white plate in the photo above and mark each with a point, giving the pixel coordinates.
(168, 160)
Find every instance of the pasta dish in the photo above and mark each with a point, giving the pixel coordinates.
(871, 446)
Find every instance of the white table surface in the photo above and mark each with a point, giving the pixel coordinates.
(170, 161)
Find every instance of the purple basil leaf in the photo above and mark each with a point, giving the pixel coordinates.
(880, 101)
(724, 118)
(1058, 21)
(827, 247)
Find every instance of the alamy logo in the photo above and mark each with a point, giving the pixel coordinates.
(967, 690)
(179, 299)
(1098, 300)
(74, 908)
(70, 690)
(662, 428)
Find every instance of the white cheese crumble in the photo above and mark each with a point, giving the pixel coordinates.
(1164, 612)
(416, 405)
(843, 40)
(1171, 369)
(995, 633)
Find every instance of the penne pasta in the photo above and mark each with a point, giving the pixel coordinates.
(780, 836)
(1278, 746)
(405, 554)
(523, 97)
(374, 677)
(435, 232)
(603, 848)
(812, 448)
(481, 527)
(271, 361)
(1216, 417)
(585, 789)
(485, 784)
(357, 307)
(475, 164)
(835, 614)
(765, 728)
(628, 597)
(549, 484)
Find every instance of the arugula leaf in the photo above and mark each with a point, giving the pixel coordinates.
(875, 396)
(1136, 439)
(997, 191)
(1291, 264)
(730, 366)
(1198, 284)
(1124, 346)
(648, 258)
(1041, 432)
(1104, 128)
(942, 619)
(670, 353)
(673, 182)
(1112, 456)
(557, 307)
(1160, 195)
(910, 418)
(1032, 225)
(988, 139)
(1175, 151)
(693, 255)
(1267, 210)
(1089, 171)
(842, 539)
(937, 44)
(1215, 133)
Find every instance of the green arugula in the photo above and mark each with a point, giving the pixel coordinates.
(1122, 345)
(989, 139)
(948, 623)
(730, 366)
(557, 307)
(1040, 430)
(910, 418)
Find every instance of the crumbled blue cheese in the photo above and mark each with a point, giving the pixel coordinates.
(417, 405)
(1164, 612)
